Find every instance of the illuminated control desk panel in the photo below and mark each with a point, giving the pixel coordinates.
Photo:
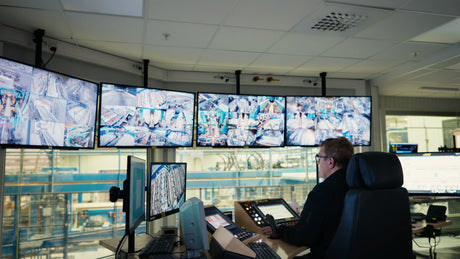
(250, 215)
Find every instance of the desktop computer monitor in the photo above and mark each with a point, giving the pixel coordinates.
(134, 200)
(403, 148)
(166, 185)
(431, 174)
(193, 224)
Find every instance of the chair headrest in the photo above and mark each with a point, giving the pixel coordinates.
(374, 170)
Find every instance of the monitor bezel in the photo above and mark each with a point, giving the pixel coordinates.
(132, 224)
(95, 131)
(330, 96)
(146, 146)
(239, 146)
(149, 200)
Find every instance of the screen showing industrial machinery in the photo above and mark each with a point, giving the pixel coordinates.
(145, 117)
(135, 193)
(44, 109)
(251, 214)
(310, 120)
(228, 120)
(431, 173)
(165, 189)
(216, 218)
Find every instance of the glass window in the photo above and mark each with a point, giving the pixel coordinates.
(56, 203)
(429, 132)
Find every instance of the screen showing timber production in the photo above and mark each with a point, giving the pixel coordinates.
(226, 120)
(165, 189)
(145, 117)
(44, 109)
(431, 173)
(310, 120)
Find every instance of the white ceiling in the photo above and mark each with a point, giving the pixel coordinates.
(400, 46)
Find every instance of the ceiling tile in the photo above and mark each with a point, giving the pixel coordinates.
(116, 7)
(179, 34)
(129, 50)
(304, 44)
(440, 76)
(447, 7)
(26, 19)
(367, 48)
(389, 4)
(372, 66)
(231, 38)
(324, 64)
(195, 11)
(172, 54)
(410, 51)
(270, 63)
(109, 28)
(42, 4)
(270, 14)
(221, 57)
(446, 33)
(414, 24)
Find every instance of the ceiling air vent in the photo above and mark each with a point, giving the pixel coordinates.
(339, 19)
(338, 22)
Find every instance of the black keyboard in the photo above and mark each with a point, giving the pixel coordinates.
(263, 251)
(158, 245)
(160, 256)
(417, 216)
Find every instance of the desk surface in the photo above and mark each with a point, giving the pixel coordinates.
(284, 250)
(432, 199)
(140, 241)
(419, 226)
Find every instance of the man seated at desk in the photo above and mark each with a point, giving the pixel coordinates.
(322, 210)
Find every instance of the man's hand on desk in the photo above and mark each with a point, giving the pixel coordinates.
(267, 230)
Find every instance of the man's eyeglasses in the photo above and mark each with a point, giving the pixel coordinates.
(318, 157)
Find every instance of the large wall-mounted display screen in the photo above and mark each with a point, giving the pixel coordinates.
(310, 120)
(40, 108)
(229, 120)
(145, 117)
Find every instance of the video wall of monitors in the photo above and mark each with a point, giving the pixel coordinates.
(44, 109)
(228, 120)
(310, 120)
(145, 117)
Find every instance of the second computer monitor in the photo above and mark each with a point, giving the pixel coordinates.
(165, 189)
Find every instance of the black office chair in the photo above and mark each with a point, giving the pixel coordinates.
(375, 221)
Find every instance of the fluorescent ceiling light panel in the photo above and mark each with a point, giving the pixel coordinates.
(447, 33)
(114, 7)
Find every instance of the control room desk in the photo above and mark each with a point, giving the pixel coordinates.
(284, 250)
(140, 241)
(418, 227)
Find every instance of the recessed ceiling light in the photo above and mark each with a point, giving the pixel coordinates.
(439, 88)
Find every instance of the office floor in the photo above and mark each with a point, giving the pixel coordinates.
(448, 246)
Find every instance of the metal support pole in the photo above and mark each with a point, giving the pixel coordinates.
(38, 47)
(237, 77)
(323, 83)
(146, 72)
